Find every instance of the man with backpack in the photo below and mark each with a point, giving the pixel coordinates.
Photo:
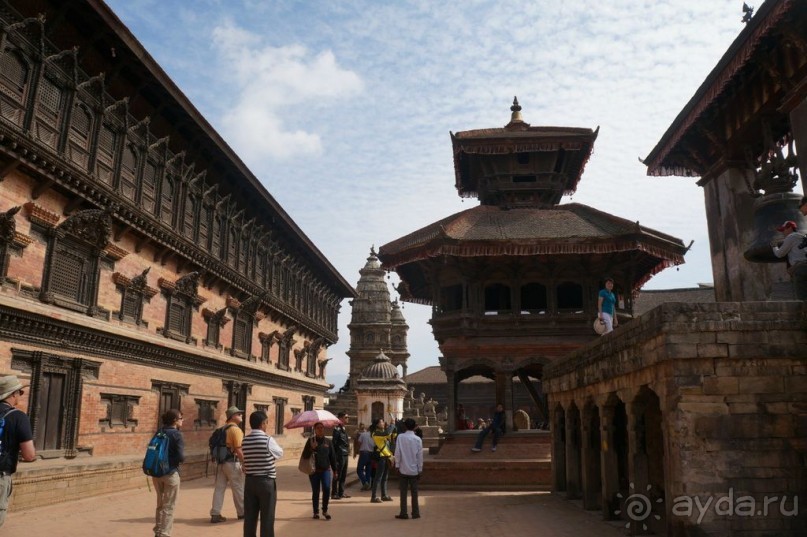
(167, 486)
(16, 437)
(225, 449)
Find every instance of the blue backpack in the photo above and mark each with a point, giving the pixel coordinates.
(3, 452)
(155, 463)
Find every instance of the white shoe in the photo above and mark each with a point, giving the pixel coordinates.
(475, 449)
(493, 448)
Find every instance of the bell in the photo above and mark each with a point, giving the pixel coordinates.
(770, 211)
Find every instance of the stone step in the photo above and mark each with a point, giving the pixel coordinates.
(532, 445)
(485, 474)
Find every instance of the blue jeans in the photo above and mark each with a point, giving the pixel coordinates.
(497, 433)
(320, 480)
(381, 474)
(364, 467)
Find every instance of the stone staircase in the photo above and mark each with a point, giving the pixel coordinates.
(522, 461)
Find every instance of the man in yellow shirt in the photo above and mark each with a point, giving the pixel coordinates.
(229, 471)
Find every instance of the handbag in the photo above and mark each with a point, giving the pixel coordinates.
(307, 465)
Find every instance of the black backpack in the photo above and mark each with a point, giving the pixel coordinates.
(3, 450)
(218, 444)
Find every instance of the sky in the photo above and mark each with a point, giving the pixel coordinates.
(343, 109)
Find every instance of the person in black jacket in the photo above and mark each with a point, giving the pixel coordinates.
(341, 448)
(325, 459)
(167, 486)
(17, 441)
(497, 426)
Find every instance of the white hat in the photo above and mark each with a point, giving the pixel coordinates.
(8, 385)
(599, 326)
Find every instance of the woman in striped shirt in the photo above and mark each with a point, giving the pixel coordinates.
(260, 490)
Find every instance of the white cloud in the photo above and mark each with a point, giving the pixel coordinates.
(270, 85)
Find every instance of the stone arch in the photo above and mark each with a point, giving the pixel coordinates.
(573, 452)
(592, 456)
(647, 462)
(558, 448)
(615, 481)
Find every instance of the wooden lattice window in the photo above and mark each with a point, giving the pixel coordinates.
(215, 244)
(128, 171)
(50, 98)
(189, 219)
(105, 156)
(243, 250)
(167, 198)
(170, 396)
(232, 248)
(242, 332)
(120, 410)
(213, 334)
(204, 226)
(13, 74)
(206, 413)
(72, 268)
(148, 192)
(178, 317)
(283, 355)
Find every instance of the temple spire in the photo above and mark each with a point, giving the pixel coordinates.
(516, 112)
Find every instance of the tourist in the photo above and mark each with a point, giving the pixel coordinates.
(382, 436)
(496, 427)
(409, 461)
(17, 440)
(796, 257)
(325, 462)
(341, 448)
(364, 449)
(261, 453)
(606, 306)
(229, 471)
(167, 486)
(462, 423)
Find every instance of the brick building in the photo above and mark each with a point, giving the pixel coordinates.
(143, 266)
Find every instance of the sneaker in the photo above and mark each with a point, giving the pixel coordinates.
(215, 519)
(402, 517)
(376, 500)
(326, 515)
(386, 498)
(475, 449)
(493, 448)
(316, 515)
(414, 515)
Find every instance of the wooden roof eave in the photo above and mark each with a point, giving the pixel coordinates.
(736, 57)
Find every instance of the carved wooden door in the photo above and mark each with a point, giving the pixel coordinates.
(50, 404)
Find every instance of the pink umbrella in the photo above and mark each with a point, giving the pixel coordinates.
(310, 417)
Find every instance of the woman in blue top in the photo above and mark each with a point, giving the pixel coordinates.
(606, 302)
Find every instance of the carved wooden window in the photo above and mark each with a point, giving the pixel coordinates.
(134, 293)
(237, 394)
(148, 192)
(119, 410)
(13, 83)
(105, 155)
(167, 199)
(74, 271)
(128, 172)
(308, 404)
(206, 413)
(178, 317)
(266, 346)
(215, 243)
(243, 250)
(280, 413)
(81, 127)
(215, 320)
(49, 112)
(242, 335)
(311, 362)
(170, 396)
(204, 225)
(189, 223)
(284, 349)
(232, 248)
(259, 268)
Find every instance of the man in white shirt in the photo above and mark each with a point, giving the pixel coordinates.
(796, 257)
(409, 461)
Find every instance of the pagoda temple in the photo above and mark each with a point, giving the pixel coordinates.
(513, 282)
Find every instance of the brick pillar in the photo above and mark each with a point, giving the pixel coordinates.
(573, 470)
(591, 457)
(558, 448)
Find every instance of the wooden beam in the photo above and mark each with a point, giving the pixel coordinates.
(41, 188)
(10, 167)
(143, 242)
(121, 231)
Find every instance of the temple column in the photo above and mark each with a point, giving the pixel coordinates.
(451, 395)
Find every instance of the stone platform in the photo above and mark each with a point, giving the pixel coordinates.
(520, 462)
